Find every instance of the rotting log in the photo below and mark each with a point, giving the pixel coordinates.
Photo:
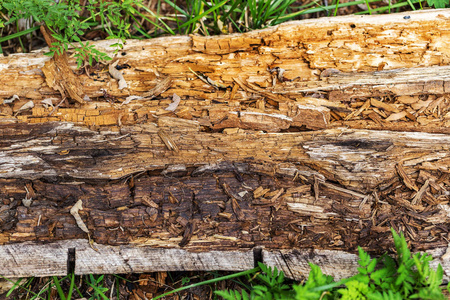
(291, 144)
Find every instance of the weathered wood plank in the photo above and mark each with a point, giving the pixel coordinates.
(339, 264)
(33, 259)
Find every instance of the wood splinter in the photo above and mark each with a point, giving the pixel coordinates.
(58, 74)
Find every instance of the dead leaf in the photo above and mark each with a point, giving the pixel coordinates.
(48, 102)
(74, 212)
(175, 101)
(26, 106)
(131, 98)
(116, 74)
(11, 100)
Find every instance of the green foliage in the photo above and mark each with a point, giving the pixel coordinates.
(65, 287)
(315, 279)
(406, 277)
(271, 285)
(438, 3)
(67, 24)
(97, 285)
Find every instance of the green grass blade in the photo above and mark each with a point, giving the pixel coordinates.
(368, 7)
(232, 9)
(198, 17)
(16, 284)
(72, 284)
(58, 288)
(384, 8)
(166, 27)
(336, 9)
(177, 8)
(411, 4)
(19, 34)
(208, 282)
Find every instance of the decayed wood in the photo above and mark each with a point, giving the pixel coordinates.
(58, 74)
(319, 134)
(261, 192)
(330, 64)
(359, 159)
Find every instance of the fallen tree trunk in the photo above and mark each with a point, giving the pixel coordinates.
(287, 145)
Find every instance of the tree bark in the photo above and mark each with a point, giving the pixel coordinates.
(291, 144)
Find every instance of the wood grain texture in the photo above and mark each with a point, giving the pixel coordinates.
(23, 259)
(357, 158)
(373, 56)
(352, 139)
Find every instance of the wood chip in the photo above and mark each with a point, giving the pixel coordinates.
(408, 99)
(168, 141)
(408, 182)
(376, 118)
(277, 195)
(188, 232)
(337, 188)
(418, 197)
(237, 210)
(230, 193)
(358, 111)
(383, 105)
(160, 88)
(396, 116)
(298, 190)
(260, 192)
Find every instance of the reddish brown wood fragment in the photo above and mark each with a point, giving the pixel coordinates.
(188, 232)
(406, 179)
(383, 105)
(365, 106)
(237, 210)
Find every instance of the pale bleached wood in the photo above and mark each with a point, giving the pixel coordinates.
(339, 264)
(33, 259)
